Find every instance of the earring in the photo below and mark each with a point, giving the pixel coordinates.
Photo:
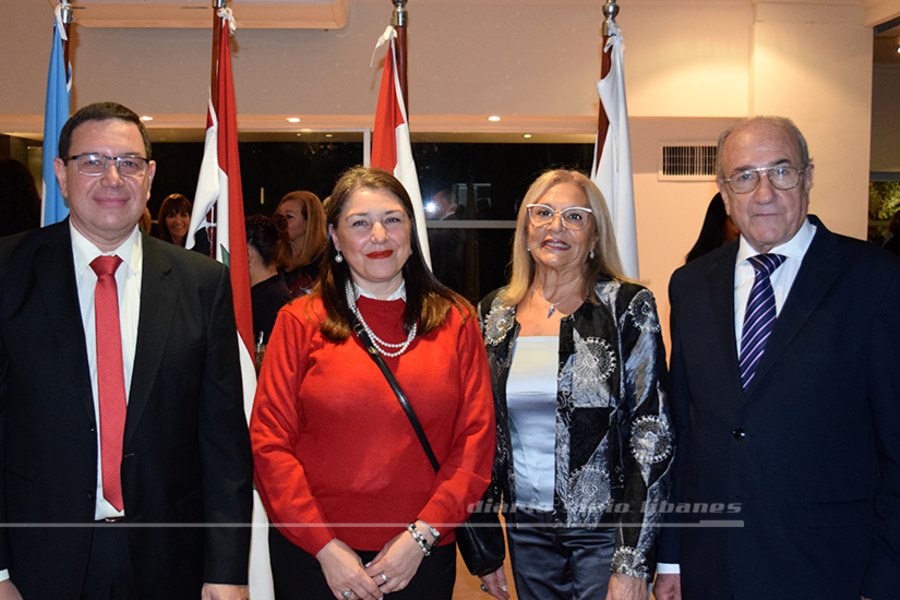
(528, 246)
(339, 258)
(591, 255)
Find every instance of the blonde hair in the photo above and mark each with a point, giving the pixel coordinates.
(605, 261)
(314, 241)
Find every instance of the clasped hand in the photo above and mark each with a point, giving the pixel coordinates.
(398, 561)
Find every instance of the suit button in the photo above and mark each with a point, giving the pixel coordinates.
(739, 434)
(91, 496)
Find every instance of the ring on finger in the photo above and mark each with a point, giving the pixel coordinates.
(384, 578)
(347, 594)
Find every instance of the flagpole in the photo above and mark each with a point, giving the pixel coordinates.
(399, 21)
(610, 10)
(217, 39)
(212, 215)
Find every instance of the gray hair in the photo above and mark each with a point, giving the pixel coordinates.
(781, 121)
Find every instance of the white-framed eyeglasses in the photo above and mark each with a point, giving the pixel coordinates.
(784, 177)
(573, 217)
(95, 164)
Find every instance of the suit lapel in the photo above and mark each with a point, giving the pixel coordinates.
(721, 290)
(55, 274)
(159, 294)
(819, 271)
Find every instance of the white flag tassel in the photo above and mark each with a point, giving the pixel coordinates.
(613, 174)
(62, 11)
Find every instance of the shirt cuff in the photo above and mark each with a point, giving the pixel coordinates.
(668, 569)
(4, 574)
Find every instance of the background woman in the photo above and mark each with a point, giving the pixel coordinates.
(306, 231)
(266, 242)
(584, 439)
(334, 451)
(718, 229)
(174, 219)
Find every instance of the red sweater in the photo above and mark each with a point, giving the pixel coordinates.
(336, 456)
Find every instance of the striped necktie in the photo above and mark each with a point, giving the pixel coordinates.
(760, 315)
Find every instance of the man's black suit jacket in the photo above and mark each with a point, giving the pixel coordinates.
(811, 452)
(186, 450)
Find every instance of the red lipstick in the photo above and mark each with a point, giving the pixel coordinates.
(380, 254)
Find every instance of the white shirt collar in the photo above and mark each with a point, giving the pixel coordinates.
(795, 247)
(84, 251)
(398, 294)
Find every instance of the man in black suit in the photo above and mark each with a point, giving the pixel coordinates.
(161, 509)
(788, 424)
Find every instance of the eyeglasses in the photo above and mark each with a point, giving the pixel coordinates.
(781, 178)
(95, 164)
(573, 218)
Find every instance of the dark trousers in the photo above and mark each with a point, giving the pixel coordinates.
(554, 562)
(109, 575)
(298, 575)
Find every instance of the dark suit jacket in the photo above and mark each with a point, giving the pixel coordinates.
(186, 449)
(811, 452)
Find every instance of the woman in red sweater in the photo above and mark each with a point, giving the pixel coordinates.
(357, 508)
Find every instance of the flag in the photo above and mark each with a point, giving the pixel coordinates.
(612, 162)
(56, 113)
(391, 149)
(219, 209)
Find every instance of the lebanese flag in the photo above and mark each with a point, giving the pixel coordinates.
(391, 149)
(219, 209)
(612, 155)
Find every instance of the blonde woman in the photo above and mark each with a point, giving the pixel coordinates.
(577, 369)
(306, 232)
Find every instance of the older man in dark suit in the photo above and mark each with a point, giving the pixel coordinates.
(126, 468)
(785, 391)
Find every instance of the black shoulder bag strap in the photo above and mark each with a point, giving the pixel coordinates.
(375, 355)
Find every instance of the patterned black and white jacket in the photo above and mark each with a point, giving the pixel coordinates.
(614, 440)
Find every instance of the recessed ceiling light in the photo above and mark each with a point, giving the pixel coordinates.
(146, 118)
(527, 136)
(293, 119)
(328, 135)
(493, 118)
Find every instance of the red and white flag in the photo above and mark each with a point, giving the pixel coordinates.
(219, 210)
(391, 149)
(612, 162)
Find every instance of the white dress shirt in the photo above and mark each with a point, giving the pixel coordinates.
(128, 286)
(782, 280)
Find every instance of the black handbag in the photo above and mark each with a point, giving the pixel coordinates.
(480, 538)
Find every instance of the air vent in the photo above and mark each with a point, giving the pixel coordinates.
(687, 162)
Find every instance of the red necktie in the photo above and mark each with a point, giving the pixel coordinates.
(110, 377)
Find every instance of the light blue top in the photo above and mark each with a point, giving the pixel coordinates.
(531, 391)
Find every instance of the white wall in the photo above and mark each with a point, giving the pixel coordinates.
(692, 67)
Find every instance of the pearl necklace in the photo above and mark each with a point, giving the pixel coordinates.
(552, 304)
(379, 343)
